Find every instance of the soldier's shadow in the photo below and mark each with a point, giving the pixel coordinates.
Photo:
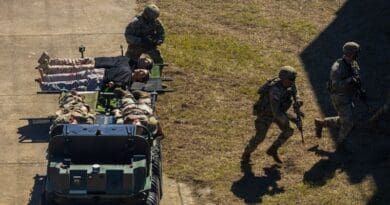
(325, 169)
(252, 188)
(367, 158)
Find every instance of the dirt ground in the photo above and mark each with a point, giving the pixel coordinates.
(58, 27)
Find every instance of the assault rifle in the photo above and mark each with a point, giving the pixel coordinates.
(154, 95)
(298, 112)
(361, 93)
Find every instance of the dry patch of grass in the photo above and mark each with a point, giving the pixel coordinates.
(220, 53)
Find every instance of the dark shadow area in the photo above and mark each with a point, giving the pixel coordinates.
(36, 192)
(252, 188)
(368, 23)
(36, 131)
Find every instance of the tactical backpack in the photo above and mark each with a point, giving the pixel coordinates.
(263, 92)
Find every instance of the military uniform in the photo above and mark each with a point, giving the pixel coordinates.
(275, 99)
(342, 91)
(73, 110)
(143, 34)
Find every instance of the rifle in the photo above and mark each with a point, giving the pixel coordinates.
(298, 112)
(361, 93)
(154, 95)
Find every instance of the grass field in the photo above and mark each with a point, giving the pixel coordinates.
(220, 52)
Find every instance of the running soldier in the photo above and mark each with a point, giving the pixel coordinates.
(275, 99)
(144, 34)
(343, 86)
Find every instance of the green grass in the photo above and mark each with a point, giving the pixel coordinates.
(220, 52)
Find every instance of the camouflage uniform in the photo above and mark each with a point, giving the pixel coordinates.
(342, 92)
(143, 34)
(73, 108)
(275, 99)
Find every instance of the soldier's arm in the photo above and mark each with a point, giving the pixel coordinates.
(130, 33)
(160, 32)
(335, 77)
(275, 101)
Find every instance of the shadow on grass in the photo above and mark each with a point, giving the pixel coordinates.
(36, 131)
(36, 192)
(366, 22)
(252, 188)
(363, 157)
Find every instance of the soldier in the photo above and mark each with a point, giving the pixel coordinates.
(275, 99)
(343, 86)
(144, 33)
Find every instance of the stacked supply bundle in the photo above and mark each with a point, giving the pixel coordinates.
(65, 74)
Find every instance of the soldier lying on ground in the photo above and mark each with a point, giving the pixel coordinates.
(48, 65)
(73, 110)
(81, 74)
(136, 109)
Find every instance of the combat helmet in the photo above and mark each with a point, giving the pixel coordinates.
(351, 48)
(288, 73)
(151, 12)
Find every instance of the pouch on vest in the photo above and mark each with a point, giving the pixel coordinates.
(263, 92)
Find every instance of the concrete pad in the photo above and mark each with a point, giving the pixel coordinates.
(59, 27)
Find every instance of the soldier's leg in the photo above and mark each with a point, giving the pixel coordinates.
(155, 54)
(71, 61)
(346, 122)
(287, 132)
(330, 122)
(262, 125)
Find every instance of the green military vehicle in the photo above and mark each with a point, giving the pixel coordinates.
(105, 162)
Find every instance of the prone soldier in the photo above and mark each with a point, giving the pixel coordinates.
(275, 99)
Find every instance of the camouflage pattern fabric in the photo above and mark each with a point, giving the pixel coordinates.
(79, 85)
(342, 92)
(274, 101)
(131, 110)
(87, 74)
(64, 74)
(143, 36)
(73, 109)
(55, 69)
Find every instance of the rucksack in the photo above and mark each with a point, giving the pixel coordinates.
(263, 92)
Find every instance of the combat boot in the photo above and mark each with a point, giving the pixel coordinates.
(273, 152)
(319, 124)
